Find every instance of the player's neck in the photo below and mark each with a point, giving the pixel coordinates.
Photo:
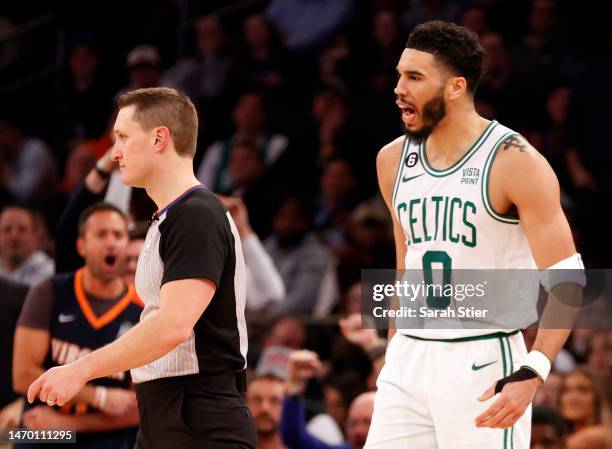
(172, 181)
(102, 288)
(456, 133)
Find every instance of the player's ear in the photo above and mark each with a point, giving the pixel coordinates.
(80, 246)
(161, 137)
(455, 87)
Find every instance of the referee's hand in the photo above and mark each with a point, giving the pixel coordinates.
(57, 385)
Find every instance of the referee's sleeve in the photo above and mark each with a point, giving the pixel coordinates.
(194, 243)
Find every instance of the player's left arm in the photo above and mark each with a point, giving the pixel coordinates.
(527, 181)
(182, 302)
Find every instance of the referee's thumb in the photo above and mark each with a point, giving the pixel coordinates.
(487, 394)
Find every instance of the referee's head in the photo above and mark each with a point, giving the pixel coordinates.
(153, 127)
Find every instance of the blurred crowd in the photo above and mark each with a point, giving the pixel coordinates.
(295, 98)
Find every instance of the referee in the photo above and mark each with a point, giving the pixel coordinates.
(188, 353)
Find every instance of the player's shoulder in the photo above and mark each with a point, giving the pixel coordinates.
(390, 153)
(516, 158)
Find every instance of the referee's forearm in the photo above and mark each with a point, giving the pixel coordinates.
(143, 344)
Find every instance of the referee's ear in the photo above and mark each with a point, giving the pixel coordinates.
(161, 138)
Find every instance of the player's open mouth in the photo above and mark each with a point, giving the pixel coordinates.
(409, 112)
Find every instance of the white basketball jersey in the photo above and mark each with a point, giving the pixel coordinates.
(447, 217)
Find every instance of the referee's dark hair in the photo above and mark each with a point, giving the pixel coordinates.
(95, 208)
(455, 47)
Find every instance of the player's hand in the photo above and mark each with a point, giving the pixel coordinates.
(118, 401)
(301, 366)
(42, 418)
(352, 330)
(57, 385)
(509, 406)
(10, 416)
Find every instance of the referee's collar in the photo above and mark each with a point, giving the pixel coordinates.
(159, 213)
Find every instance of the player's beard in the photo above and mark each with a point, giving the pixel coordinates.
(431, 114)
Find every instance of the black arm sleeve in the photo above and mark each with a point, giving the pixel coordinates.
(195, 242)
(66, 256)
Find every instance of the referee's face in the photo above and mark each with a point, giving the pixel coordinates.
(132, 148)
(103, 244)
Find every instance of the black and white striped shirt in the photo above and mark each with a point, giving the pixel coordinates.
(194, 237)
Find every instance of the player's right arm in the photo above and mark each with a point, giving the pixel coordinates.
(387, 163)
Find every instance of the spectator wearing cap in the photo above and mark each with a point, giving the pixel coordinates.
(143, 64)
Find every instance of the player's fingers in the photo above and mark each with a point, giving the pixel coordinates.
(508, 421)
(487, 394)
(34, 389)
(491, 411)
(495, 420)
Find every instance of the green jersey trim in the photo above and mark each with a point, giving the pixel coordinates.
(457, 165)
(508, 219)
(462, 339)
(400, 169)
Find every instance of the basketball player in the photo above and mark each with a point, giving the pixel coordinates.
(188, 353)
(438, 387)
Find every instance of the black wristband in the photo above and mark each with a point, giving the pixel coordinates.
(103, 173)
(524, 373)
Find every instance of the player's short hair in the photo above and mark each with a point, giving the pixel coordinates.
(454, 46)
(162, 106)
(95, 208)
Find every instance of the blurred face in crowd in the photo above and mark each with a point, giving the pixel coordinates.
(334, 405)
(249, 114)
(338, 181)
(578, 399)
(548, 393)
(600, 354)
(542, 17)
(132, 252)
(556, 105)
(83, 63)
(544, 436)
(209, 35)
(420, 92)
(359, 418)
(289, 224)
(80, 162)
(264, 399)
(256, 31)
(288, 332)
(17, 236)
(497, 56)
(132, 149)
(103, 244)
(474, 19)
(385, 30)
(245, 165)
(10, 136)
(144, 76)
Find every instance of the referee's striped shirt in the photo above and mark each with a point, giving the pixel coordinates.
(195, 237)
